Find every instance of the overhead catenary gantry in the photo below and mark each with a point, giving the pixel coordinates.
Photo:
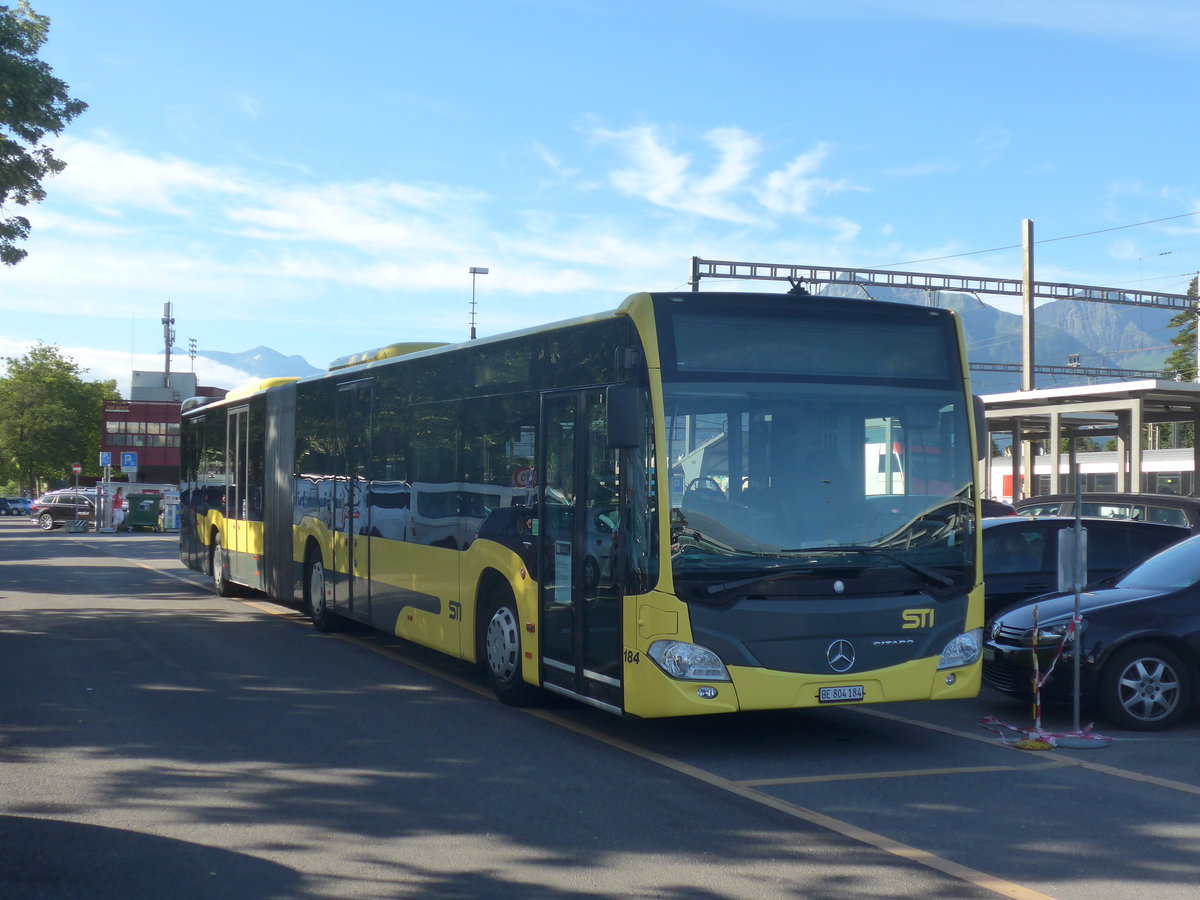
(932, 282)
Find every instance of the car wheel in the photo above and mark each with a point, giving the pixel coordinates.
(316, 596)
(501, 656)
(1146, 688)
(46, 522)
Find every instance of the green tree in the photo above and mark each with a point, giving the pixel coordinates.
(1183, 358)
(49, 417)
(33, 103)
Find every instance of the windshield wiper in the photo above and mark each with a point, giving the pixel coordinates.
(936, 577)
(709, 542)
(757, 579)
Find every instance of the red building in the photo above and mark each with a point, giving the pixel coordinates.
(148, 424)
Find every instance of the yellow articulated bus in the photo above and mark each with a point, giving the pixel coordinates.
(667, 509)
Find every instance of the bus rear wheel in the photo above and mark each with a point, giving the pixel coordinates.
(501, 652)
(217, 568)
(316, 597)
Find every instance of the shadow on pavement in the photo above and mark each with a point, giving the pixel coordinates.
(42, 858)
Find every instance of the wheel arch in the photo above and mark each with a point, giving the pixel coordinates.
(1172, 642)
(492, 585)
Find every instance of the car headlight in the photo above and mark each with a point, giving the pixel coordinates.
(963, 650)
(1049, 635)
(688, 662)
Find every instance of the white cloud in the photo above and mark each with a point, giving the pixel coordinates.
(731, 191)
(107, 177)
(795, 189)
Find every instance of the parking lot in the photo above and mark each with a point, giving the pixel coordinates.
(935, 804)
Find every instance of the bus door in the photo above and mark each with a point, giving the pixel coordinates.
(237, 485)
(351, 509)
(579, 525)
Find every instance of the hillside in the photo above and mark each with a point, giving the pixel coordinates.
(1102, 334)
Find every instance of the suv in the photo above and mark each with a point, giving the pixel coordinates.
(1164, 509)
(53, 509)
(1020, 553)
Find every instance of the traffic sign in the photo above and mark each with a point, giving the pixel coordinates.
(76, 468)
(105, 458)
(129, 460)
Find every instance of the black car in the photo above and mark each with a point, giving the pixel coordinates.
(1164, 509)
(1140, 641)
(53, 509)
(1020, 554)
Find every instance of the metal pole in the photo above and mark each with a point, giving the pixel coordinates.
(1027, 306)
(475, 270)
(1197, 378)
(1079, 562)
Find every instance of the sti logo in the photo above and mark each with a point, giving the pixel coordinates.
(917, 618)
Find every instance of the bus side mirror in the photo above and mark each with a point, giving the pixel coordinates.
(624, 420)
(981, 429)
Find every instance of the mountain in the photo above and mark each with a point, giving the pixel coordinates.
(262, 362)
(1103, 335)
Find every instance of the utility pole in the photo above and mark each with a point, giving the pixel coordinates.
(1027, 305)
(475, 270)
(169, 338)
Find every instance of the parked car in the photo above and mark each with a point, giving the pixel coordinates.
(19, 506)
(989, 507)
(7, 509)
(1020, 553)
(1140, 660)
(1164, 509)
(53, 509)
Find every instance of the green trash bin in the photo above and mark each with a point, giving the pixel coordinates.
(143, 511)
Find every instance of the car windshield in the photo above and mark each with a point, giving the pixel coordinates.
(1176, 567)
(808, 477)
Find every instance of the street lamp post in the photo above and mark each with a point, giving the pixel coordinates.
(475, 270)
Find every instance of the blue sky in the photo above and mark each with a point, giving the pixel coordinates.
(319, 177)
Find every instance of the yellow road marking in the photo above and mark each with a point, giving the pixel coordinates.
(903, 773)
(870, 838)
(1169, 784)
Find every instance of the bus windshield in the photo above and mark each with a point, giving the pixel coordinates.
(807, 477)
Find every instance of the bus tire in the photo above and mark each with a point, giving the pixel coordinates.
(500, 651)
(217, 568)
(315, 594)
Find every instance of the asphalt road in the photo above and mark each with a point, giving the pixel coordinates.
(159, 741)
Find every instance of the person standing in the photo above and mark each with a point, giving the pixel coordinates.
(118, 508)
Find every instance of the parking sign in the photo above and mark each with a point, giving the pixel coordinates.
(105, 458)
(129, 460)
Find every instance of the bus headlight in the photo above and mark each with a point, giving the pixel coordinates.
(688, 662)
(963, 650)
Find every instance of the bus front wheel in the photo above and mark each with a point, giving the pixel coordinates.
(501, 656)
